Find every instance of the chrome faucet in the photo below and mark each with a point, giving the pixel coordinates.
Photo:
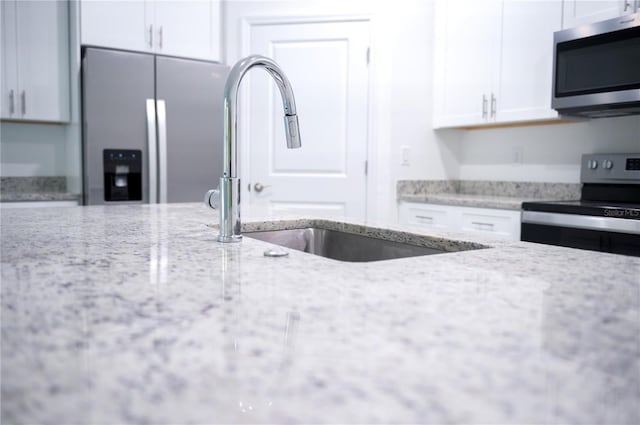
(227, 197)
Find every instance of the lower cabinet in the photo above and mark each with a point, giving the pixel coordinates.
(504, 224)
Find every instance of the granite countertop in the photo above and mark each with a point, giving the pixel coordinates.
(29, 189)
(135, 314)
(483, 194)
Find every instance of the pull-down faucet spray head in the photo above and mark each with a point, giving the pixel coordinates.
(227, 198)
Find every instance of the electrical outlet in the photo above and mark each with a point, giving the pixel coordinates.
(517, 155)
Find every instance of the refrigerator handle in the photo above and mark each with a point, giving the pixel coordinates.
(152, 159)
(162, 150)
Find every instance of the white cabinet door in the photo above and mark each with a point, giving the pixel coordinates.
(189, 28)
(35, 61)
(185, 28)
(10, 92)
(43, 60)
(469, 43)
(118, 24)
(580, 12)
(527, 60)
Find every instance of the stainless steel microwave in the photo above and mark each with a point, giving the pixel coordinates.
(596, 69)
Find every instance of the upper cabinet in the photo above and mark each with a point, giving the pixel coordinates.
(493, 61)
(579, 12)
(187, 28)
(35, 61)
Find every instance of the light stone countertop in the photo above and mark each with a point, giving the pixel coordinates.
(468, 200)
(484, 194)
(136, 315)
(35, 188)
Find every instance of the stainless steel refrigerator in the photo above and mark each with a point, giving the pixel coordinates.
(152, 127)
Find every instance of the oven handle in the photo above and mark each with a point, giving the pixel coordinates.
(608, 224)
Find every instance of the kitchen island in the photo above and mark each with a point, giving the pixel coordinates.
(135, 314)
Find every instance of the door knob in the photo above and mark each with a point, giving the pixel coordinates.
(259, 187)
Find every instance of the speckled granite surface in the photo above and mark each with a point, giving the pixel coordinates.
(483, 194)
(135, 314)
(17, 189)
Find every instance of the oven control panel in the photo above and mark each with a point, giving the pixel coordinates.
(610, 168)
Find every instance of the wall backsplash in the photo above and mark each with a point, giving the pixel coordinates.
(33, 150)
(543, 153)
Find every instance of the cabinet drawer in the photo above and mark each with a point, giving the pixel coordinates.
(426, 217)
(501, 224)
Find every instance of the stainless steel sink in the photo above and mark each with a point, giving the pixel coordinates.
(344, 246)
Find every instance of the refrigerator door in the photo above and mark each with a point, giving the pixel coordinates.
(190, 99)
(115, 89)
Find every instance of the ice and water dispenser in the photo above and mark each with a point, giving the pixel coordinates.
(122, 175)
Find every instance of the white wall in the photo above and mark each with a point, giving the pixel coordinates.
(548, 153)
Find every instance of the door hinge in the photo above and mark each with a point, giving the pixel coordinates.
(366, 168)
(368, 55)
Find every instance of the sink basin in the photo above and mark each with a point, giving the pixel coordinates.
(346, 246)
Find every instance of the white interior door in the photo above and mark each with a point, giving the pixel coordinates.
(327, 64)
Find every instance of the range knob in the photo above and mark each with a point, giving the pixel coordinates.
(592, 164)
(607, 164)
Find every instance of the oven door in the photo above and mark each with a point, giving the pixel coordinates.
(605, 234)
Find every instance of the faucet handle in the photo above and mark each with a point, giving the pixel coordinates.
(212, 199)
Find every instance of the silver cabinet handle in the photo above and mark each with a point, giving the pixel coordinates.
(162, 151)
(151, 36)
(160, 36)
(484, 106)
(12, 102)
(152, 155)
(259, 187)
(23, 101)
(424, 217)
(493, 105)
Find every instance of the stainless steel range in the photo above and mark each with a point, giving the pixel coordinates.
(606, 217)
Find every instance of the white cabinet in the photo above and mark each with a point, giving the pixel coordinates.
(468, 39)
(580, 12)
(35, 61)
(189, 28)
(493, 61)
(122, 25)
(502, 224)
(426, 215)
(526, 64)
